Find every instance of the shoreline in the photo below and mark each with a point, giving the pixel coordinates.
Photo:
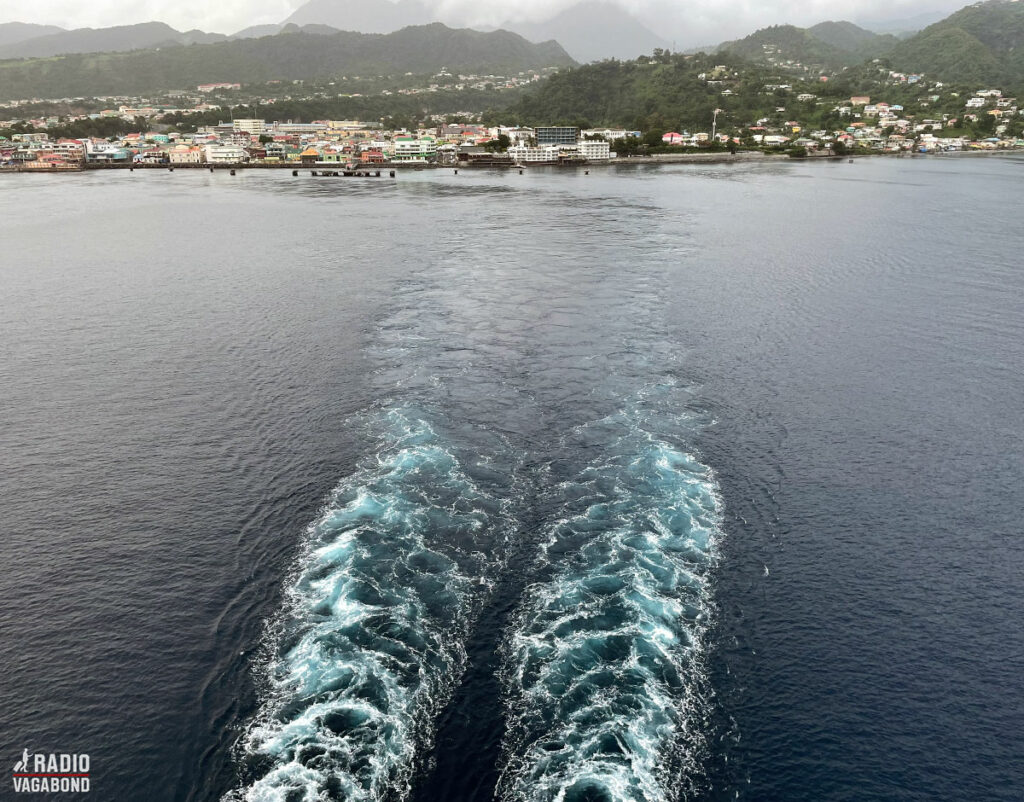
(742, 157)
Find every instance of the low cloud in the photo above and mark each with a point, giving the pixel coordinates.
(689, 23)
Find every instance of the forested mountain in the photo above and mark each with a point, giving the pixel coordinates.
(677, 92)
(286, 56)
(829, 45)
(852, 38)
(663, 93)
(589, 30)
(13, 32)
(983, 43)
(379, 16)
(105, 40)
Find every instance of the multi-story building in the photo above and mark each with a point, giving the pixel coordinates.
(69, 149)
(595, 150)
(183, 154)
(557, 135)
(527, 153)
(225, 154)
(410, 148)
(276, 151)
(297, 128)
(252, 127)
(98, 151)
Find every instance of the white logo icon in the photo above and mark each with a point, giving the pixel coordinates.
(22, 765)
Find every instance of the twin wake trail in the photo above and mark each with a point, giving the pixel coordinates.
(603, 665)
(390, 580)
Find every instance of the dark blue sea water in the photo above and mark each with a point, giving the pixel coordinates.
(693, 482)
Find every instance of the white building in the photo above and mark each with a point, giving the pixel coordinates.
(528, 153)
(225, 154)
(69, 147)
(297, 128)
(413, 149)
(101, 151)
(517, 135)
(251, 127)
(611, 134)
(595, 150)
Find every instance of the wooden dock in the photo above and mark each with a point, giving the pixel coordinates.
(321, 173)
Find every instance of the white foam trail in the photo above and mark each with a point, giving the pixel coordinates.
(603, 671)
(372, 643)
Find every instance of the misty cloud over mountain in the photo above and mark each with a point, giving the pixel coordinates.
(684, 23)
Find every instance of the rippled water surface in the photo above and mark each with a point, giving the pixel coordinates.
(648, 484)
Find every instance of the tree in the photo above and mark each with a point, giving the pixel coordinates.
(499, 144)
(626, 146)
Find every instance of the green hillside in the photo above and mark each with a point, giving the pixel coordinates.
(827, 45)
(852, 38)
(680, 92)
(664, 92)
(983, 43)
(287, 56)
(780, 44)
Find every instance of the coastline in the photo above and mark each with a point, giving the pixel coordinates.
(327, 169)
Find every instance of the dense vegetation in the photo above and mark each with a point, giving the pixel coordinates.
(103, 127)
(286, 56)
(789, 43)
(982, 43)
(667, 93)
(664, 92)
(399, 111)
(759, 79)
(853, 39)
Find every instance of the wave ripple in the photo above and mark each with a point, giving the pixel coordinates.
(603, 670)
(372, 644)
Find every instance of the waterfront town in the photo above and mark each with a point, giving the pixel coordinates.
(869, 126)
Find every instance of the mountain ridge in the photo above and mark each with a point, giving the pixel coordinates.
(590, 30)
(829, 44)
(983, 42)
(119, 38)
(13, 32)
(290, 55)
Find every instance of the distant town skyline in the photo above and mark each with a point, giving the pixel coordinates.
(688, 24)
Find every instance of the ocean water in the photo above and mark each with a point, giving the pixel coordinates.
(657, 483)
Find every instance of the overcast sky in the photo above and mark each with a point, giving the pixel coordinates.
(689, 22)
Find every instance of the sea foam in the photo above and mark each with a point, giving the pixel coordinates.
(371, 646)
(603, 669)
